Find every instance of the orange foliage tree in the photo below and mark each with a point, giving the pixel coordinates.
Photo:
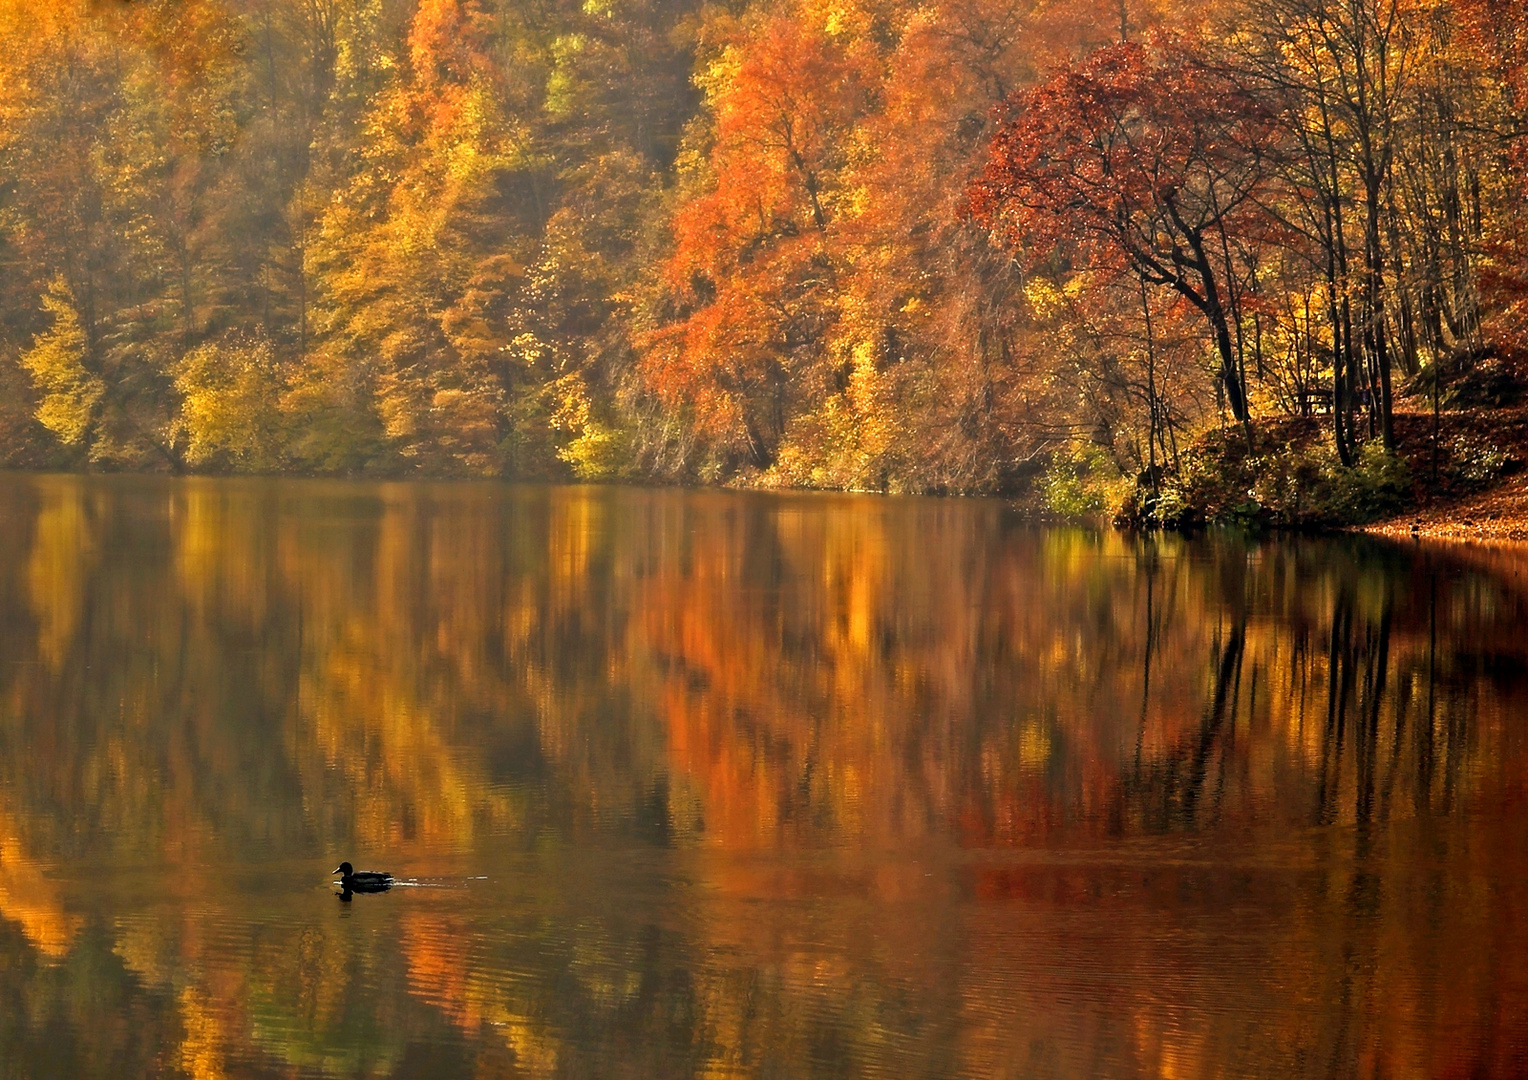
(753, 267)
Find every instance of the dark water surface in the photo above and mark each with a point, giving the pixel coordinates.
(708, 784)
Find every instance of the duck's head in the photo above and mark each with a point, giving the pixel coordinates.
(344, 869)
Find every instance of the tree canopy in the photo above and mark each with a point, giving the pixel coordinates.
(876, 245)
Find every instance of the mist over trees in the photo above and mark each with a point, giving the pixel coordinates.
(876, 245)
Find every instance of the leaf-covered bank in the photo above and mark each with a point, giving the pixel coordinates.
(1453, 474)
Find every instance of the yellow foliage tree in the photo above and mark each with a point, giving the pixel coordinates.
(230, 407)
(70, 392)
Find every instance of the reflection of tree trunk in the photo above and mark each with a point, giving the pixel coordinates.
(1151, 641)
(1426, 739)
(1339, 674)
(1172, 788)
(1151, 567)
(1376, 658)
(1227, 679)
(1357, 673)
(1357, 949)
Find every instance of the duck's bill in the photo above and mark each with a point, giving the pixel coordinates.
(336, 870)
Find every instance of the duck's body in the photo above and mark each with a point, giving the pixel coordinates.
(353, 880)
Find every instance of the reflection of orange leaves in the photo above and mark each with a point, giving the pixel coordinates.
(201, 1054)
(825, 715)
(435, 949)
(30, 900)
(812, 691)
(739, 786)
(475, 995)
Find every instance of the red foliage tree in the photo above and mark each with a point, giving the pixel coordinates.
(1143, 155)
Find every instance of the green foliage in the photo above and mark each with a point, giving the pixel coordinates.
(597, 450)
(1483, 378)
(1305, 485)
(1378, 485)
(598, 453)
(1476, 462)
(1082, 482)
(1292, 482)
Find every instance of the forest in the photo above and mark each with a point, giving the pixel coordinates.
(1175, 258)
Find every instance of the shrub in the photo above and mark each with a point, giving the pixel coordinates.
(1292, 483)
(1377, 485)
(593, 449)
(1082, 481)
(598, 453)
(1476, 462)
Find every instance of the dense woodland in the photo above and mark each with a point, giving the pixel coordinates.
(951, 245)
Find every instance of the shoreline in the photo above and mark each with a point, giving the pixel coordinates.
(1496, 515)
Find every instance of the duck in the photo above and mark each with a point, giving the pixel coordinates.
(353, 880)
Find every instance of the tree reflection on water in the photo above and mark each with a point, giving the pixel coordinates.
(726, 784)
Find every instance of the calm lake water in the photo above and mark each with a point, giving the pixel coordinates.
(713, 784)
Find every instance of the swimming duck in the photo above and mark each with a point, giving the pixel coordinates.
(353, 880)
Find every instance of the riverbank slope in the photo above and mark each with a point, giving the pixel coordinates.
(1475, 488)
(1454, 474)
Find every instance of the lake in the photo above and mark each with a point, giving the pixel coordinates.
(746, 785)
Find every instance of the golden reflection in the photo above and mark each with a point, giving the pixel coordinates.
(751, 781)
(440, 972)
(30, 900)
(58, 571)
(200, 1054)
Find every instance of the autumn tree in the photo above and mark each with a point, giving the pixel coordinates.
(753, 265)
(1144, 156)
(70, 393)
(83, 231)
(1491, 43)
(1339, 72)
(567, 239)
